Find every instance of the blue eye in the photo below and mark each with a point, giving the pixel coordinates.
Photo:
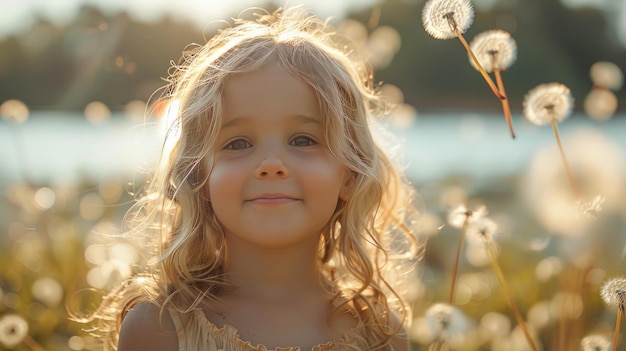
(238, 144)
(302, 140)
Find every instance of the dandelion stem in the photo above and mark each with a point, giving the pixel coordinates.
(568, 170)
(32, 344)
(455, 271)
(480, 68)
(507, 293)
(506, 108)
(437, 345)
(617, 328)
(374, 18)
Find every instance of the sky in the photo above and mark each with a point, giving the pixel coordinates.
(17, 15)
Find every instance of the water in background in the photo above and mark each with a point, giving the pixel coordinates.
(52, 147)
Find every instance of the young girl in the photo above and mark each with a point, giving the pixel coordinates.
(277, 222)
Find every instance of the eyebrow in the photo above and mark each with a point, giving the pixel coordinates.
(245, 119)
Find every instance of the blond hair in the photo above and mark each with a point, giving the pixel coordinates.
(367, 246)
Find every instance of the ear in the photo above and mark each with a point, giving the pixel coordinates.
(346, 187)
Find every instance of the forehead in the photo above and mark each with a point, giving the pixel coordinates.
(269, 91)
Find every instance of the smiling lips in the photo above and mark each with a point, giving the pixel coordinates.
(272, 199)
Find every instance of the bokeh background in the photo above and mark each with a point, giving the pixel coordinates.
(75, 77)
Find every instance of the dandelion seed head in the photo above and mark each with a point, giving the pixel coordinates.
(442, 317)
(613, 292)
(440, 17)
(494, 49)
(458, 216)
(13, 329)
(461, 215)
(548, 102)
(595, 343)
(482, 229)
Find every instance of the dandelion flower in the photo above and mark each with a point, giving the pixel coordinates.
(446, 322)
(613, 292)
(13, 330)
(461, 215)
(446, 19)
(482, 229)
(595, 343)
(549, 104)
(443, 18)
(439, 316)
(496, 51)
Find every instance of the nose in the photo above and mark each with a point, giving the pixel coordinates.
(272, 166)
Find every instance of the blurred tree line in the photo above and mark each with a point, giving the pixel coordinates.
(116, 59)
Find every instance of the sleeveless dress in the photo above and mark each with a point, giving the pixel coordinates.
(202, 335)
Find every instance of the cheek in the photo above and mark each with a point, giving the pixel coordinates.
(330, 178)
(222, 183)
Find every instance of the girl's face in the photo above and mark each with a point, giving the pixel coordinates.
(274, 182)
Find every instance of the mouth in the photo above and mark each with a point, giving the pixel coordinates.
(272, 199)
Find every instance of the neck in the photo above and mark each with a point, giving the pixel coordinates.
(267, 273)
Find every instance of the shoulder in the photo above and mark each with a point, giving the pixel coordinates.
(145, 328)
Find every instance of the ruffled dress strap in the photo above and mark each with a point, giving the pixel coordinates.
(196, 332)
